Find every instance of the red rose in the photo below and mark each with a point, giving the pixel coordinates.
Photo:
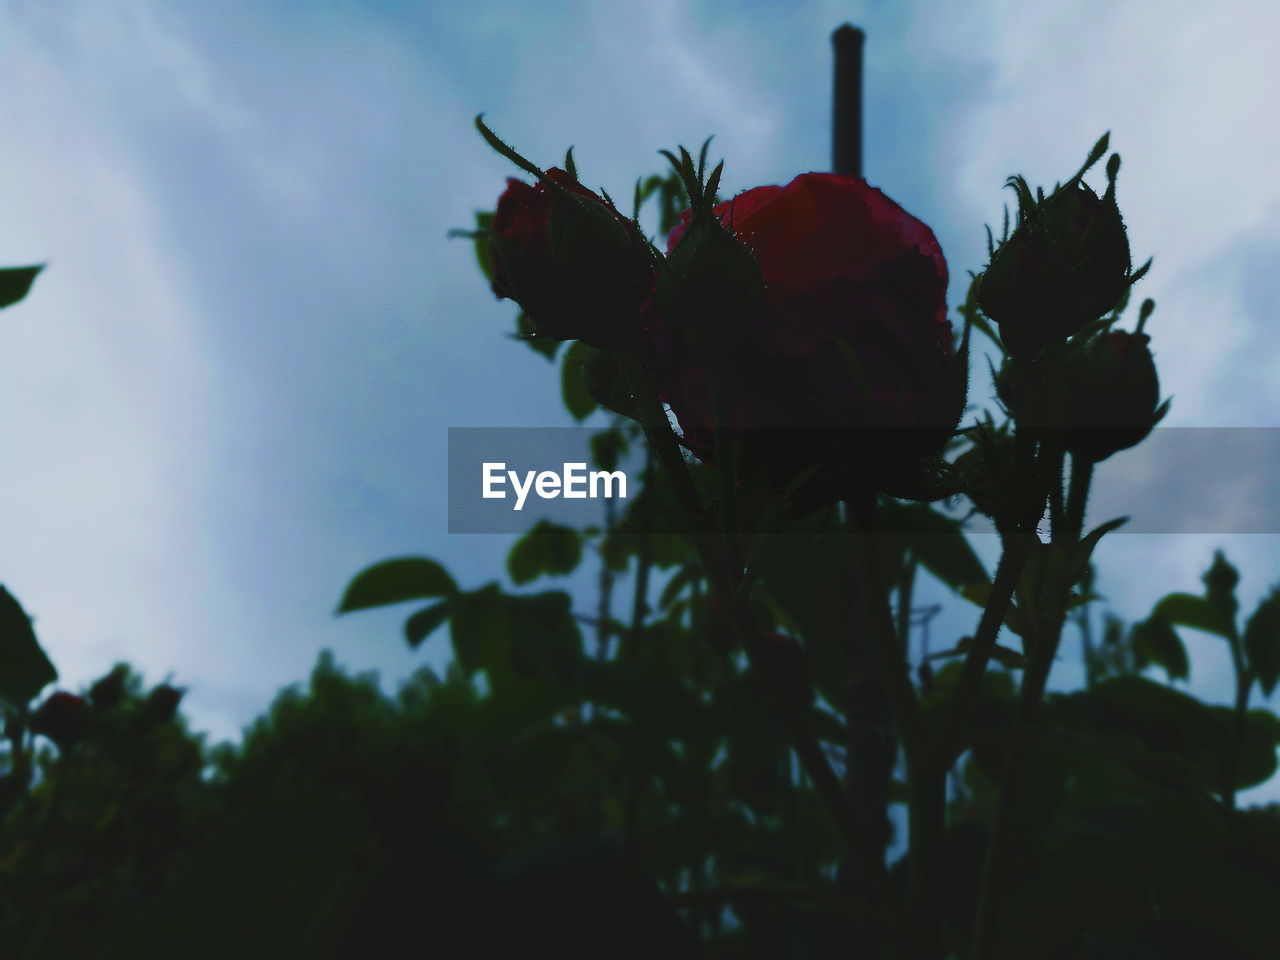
(63, 718)
(845, 361)
(578, 267)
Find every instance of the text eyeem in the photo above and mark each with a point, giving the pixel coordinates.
(573, 482)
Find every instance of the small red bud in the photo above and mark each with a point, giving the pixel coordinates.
(578, 267)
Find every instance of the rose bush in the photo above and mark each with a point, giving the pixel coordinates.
(844, 366)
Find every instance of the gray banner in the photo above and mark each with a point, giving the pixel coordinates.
(1178, 480)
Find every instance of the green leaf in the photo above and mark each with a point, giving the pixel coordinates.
(1187, 610)
(1156, 641)
(484, 255)
(679, 581)
(1096, 154)
(1262, 641)
(1083, 551)
(507, 151)
(939, 543)
(606, 384)
(573, 381)
(1008, 658)
(985, 327)
(515, 637)
(15, 283)
(25, 670)
(1258, 747)
(528, 332)
(479, 625)
(979, 594)
(423, 623)
(607, 447)
(546, 549)
(397, 580)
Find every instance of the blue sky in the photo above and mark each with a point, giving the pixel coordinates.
(231, 389)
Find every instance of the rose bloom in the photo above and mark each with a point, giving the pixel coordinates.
(845, 365)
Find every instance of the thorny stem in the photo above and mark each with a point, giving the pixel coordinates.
(606, 586)
(1017, 547)
(723, 578)
(1042, 649)
(639, 609)
(925, 776)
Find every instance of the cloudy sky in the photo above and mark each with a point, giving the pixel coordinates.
(230, 390)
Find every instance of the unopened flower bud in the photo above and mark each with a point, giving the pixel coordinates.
(1116, 396)
(1066, 264)
(578, 267)
(710, 280)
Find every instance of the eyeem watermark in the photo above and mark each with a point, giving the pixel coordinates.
(574, 482)
(1178, 480)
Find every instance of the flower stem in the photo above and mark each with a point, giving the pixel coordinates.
(1077, 498)
(1042, 648)
(1013, 559)
(724, 580)
(1244, 685)
(926, 782)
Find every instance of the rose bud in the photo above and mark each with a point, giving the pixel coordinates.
(1220, 582)
(709, 278)
(991, 480)
(162, 703)
(63, 718)
(109, 690)
(1066, 264)
(578, 267)
(1092, 232)
(1027, 290)
(1116, 396)
(842, 369)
